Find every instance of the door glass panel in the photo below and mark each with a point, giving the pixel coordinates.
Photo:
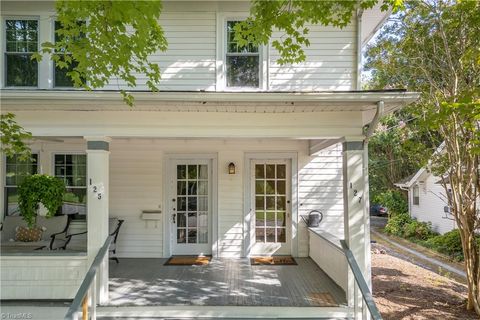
(181, 236)
(260, 171)
(192, 209)
(181, 220)
(182, 204)
(270, 218)
(202, 203)
(270, 202)
(270, 187)
(202, 187)
(260, 234)
(270, 171)
(260, 218)
(192, 220)
(192, 172)
(192, 204)
(181, 187)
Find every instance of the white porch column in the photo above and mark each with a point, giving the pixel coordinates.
(97, 204)
(356, 213)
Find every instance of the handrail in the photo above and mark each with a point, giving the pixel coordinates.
(362, 284)
(87, 281)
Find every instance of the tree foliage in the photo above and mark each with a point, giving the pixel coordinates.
(103, 40)
(13, 137)
(433, 47)
(292, 19)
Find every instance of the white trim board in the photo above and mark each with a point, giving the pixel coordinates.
(225, 312)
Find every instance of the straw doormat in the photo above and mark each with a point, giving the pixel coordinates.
(273, 261)
(188, 261)
(322, 299)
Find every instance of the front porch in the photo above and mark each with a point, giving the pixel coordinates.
(223, 282)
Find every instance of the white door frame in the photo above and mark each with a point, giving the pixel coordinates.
(167, 179)
(249, 156)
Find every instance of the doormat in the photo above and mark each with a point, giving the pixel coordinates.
(273, 261)
(322, 299)
(188, 261)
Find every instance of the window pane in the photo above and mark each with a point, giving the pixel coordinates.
(232, 45)
(181, 187)
(75, 202)
(260, 219)
(259, 171)
(181, 172)
(260, 235)
(270, 232)
(243, 71)
(192, 235)
(192, 219)
(260, 187)
(11, 197)
(62, 80)
(21, 70)
(203, 171)
(181, 236)
(192, 172)
(270, 219)
(182, 204)
(181, 220)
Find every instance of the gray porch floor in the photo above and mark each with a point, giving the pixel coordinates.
(224, 282)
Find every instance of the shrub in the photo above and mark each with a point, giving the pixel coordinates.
(396, 224)
(393, 200)
(418, 230)
(449, 243)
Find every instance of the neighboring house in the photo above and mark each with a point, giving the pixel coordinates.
(220, 162)
(427, 200)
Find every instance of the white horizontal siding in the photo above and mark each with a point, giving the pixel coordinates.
(330, 62)
(431, 205)
(189, 62)
(321, 188)
(47, 277)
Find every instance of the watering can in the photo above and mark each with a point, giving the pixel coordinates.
(313, 219)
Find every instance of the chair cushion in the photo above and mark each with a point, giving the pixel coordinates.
(54, 225)
(10, 224)
(25, 234)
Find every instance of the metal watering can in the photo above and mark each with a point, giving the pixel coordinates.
(313, 219)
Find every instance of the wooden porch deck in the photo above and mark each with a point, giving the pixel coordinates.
(224, 282)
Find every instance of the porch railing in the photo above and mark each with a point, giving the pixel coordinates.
(360, 284)
(85, 300)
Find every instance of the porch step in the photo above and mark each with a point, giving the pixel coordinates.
(220, 312)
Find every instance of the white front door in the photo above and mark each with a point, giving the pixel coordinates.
(191, 207)
(271, 198)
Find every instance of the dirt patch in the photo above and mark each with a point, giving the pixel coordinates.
(403, 290)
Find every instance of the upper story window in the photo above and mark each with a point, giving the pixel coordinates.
(61, 79)
(21, 38)
(242, 63)
(16, 171)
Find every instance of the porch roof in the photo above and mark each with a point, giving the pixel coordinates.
(195, 101)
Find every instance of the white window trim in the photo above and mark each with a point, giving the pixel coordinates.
(416, 187)
(3, 31)
(52, 172)
(221, 84)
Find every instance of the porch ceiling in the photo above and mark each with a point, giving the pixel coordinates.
(241, 102)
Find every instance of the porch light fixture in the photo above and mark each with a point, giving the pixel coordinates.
(231, 168)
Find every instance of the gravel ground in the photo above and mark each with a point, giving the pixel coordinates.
(403, 290)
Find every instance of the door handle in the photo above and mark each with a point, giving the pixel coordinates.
(174, 218)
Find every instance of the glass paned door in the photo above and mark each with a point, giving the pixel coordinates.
(191, 207)
(271, 206)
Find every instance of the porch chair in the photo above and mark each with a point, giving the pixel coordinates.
(114, 225)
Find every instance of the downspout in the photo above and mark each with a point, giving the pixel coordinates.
(373, 125)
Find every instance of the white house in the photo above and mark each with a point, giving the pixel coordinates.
(427, 200)
(294, 134)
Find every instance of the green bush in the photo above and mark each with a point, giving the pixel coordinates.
(418, 230)
(393, 200)
(449, 243)
(396, 224)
